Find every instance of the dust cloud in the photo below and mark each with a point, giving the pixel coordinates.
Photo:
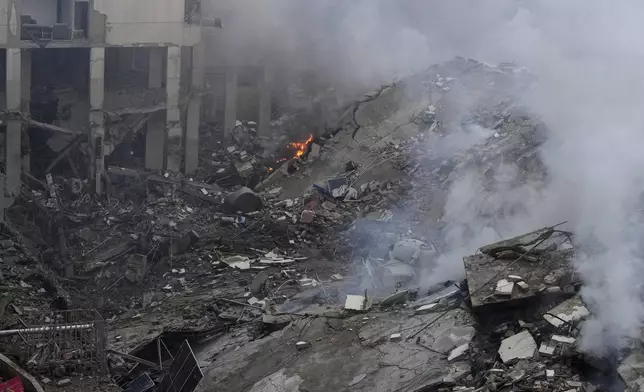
(588, 59)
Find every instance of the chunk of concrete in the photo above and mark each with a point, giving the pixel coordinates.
(523, 285)
(458, 352)
(307, 216)
(357, 302)
(519, 346)
(395, 337)
(504, 287)
(631, 370)
(563, 339)
(244, 200)
(546, 349)
(571, 310)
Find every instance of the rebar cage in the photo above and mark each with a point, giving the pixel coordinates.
(60, 342)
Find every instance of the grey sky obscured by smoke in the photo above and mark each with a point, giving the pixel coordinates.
(589, 58)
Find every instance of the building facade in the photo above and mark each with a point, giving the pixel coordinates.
(97, 69)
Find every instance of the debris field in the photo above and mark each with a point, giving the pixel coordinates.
(302, 264)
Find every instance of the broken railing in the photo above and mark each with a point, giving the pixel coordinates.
(69, 341)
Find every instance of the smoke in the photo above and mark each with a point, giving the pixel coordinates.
(588, 60)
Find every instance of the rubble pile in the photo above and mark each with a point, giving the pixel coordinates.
(282, 263)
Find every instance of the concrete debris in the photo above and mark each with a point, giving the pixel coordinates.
(171, 255)
(307, 216)
(395, 337)
(458, 352)
(357, 303)
(533, 257)
(397, 298)
(504, 287)
(546, 349)
(569, 311)
(238, 262)
(563, 339)
(519, 346)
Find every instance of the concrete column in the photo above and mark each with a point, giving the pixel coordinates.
(194, 109)
(13, 136)
(96, 116)
(155, 141)
(155, 67)
(230, 111)
(25, 103)
(174, 149)
(265, 81)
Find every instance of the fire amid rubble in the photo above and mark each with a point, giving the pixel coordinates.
(300, 147)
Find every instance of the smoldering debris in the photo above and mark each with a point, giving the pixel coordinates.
(353, 241)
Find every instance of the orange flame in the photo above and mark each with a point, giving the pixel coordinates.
(270, 169)
(301, 147)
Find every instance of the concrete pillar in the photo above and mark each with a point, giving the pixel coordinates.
(265, 81)
(174, 149)
(155, 67)
(13, 136)
(155, 141)
(194, 109)
(25, 103)
(96, 115)
(230, 111)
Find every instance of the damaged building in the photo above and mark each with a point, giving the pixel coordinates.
(91, 83)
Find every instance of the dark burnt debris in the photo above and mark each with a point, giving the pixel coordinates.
(290, 256)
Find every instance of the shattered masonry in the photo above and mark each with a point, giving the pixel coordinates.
(246, 253)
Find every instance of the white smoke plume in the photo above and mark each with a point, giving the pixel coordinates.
(588, 57)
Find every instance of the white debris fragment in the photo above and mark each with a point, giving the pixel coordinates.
(337, 277)
(514, 278)
(458, 352)
(301, 345)
(357, 302)
(546, 349)
(426, 308)
(167, 287)
(395, 337)
(519, 346)
(238, 262)
(504, 287)
(523, 285)
(563, 339)
(550, 374)
(571, 310)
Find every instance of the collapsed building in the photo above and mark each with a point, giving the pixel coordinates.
(194, 270)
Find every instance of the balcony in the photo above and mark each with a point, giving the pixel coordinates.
(54, 20)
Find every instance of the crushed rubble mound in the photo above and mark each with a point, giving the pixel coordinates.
(298, 262)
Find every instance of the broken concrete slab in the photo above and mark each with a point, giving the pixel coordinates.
(484, 270)
(631, 370)
(244, 200)
(238, 262)
(357, 303)
(569, 311)
(504, 287)
(519, 346)
(397, 298)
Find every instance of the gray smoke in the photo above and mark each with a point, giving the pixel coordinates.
(588, 58)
